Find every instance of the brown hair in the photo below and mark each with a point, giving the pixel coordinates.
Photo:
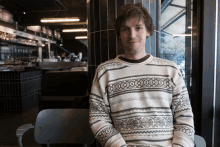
(132, 10)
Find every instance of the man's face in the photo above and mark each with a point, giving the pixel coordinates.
(133, 35)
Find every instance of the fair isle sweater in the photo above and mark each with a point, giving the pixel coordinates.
(140, 103)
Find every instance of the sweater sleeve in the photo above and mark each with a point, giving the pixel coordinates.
(100, 119)
(182, 114)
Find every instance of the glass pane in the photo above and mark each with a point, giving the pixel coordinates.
(179, 2)
(176, 35)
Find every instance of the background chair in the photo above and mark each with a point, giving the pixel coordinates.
(60, 126)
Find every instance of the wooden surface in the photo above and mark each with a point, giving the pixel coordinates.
(61, 98)
(59, 65)
(23, 146)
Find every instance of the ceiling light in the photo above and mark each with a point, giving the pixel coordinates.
(23, 12)
(182, 34)
(53, 20)
(75, 30)
(81, 37)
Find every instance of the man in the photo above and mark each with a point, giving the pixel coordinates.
(137, 99)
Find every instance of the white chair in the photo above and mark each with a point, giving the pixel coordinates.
(67, 126)
(199, 141)
(60, 126)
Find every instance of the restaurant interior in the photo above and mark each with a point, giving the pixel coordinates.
(50, 49)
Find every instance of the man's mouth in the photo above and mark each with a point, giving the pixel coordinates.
(133, 42)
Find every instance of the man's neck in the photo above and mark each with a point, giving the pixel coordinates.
(134, 57)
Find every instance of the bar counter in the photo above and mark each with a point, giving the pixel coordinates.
(19, 89)
(51, 85)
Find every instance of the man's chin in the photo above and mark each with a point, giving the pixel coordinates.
(131, 52)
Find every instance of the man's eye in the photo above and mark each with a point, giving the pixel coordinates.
(138, 28)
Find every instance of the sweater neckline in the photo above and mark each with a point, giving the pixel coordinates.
(143, 60)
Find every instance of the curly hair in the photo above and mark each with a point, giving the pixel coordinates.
(134, 10)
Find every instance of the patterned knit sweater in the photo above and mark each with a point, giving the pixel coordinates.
(139, 103)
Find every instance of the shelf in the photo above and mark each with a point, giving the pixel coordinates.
(17, 43)
(25, 34)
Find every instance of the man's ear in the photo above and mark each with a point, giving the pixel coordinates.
(148, 34)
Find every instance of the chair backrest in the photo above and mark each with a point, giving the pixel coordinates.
(200, 141)
(63, 126)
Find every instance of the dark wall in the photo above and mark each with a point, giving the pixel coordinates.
(75, 46)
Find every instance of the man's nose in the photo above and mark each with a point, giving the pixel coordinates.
(132, 33)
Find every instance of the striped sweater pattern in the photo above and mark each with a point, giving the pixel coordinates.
(140, 104)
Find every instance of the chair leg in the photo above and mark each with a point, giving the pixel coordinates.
(20, 142)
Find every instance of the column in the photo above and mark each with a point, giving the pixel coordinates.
(103, 44)
(48, 50)
(40, 51)
(209, 50)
